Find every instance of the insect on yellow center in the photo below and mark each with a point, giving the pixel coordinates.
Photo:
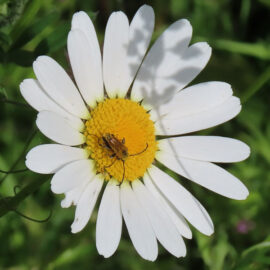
(121, 139)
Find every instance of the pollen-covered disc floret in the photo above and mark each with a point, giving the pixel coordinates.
(129, 124)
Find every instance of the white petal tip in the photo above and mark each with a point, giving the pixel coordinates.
(243, 195)
(54, 189)
(104, 254)
(147, 8)
(22, 84)
(187, 23)
(209, 232)
(203, 46)
(248, 151)
(65, 204)
(28, 163)
(38, 120)
(40, 58)
(80, 13)
(151, 259)
(184, 253)
(32, 167)
(181, 255)
(118, 13)
(145, 5)
(75, 228)
(245, 151)
(188, 235)
(74, 231)
(240, 192)
(206, 46)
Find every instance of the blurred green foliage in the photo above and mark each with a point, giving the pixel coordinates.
(238, 31)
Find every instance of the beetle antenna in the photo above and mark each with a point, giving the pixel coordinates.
(139, 152)
(100, 144)
(93, 135)
(124, 171)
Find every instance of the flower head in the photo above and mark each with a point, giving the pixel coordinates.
(106, 128)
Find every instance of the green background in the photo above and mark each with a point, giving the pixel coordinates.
(238, 31)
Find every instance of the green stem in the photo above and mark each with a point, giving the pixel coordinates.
(33, 219)
(21, 155)
(257, 85)
(258, 50)
(15, 103)
(15, 171)
(11, 203)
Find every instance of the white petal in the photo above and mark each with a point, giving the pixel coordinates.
(175, 216)
(48, 158)
(172, 44)
(205, 213)
(200, 120)
(115, 68)
(182, 200)
(163, 227)
(58, 129)
(82, 21)
(140, 33)
(109, 220)
(59, 86)
(86, 204)
(170, 65)
(72, 175)
(86, 66)
(73, 196)
(138, 225)
(206, 174)
(34, 94)
(206, 148)
(195, 99)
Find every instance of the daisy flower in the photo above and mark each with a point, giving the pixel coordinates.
(123, 112)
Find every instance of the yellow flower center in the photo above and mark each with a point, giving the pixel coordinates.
(121, 139)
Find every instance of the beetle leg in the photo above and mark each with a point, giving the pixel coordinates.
(112, 155)
(124, 171)
(110, 164)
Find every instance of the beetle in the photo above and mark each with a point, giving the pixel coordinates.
(118, 149)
